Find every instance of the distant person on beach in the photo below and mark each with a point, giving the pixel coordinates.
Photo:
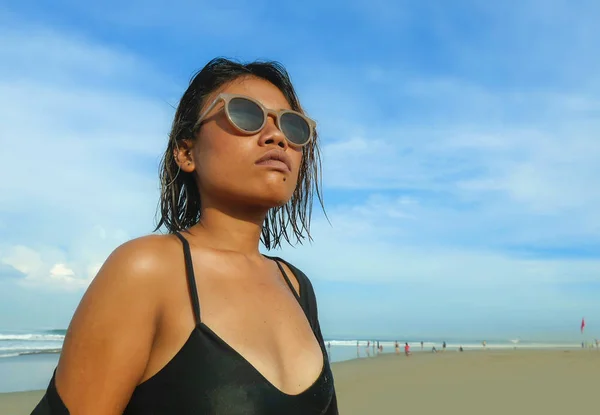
(406, 349)
(197, 320)
(444, 347)
(397, 347)
(421, 345)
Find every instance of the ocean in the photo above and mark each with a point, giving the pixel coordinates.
(19, 343)
(28, 358)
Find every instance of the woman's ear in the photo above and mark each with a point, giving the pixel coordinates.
(183, 155)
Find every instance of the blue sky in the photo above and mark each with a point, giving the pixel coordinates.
(460, 152)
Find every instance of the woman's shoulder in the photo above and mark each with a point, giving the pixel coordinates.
(144, 263)
(116, 322)
(150, 243)
(146, 254)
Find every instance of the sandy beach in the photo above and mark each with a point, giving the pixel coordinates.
(476, 382)
(17, 403)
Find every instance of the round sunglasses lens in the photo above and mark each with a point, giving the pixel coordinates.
(245, 114)
(295, 128)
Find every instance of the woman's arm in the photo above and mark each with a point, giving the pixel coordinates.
(110, 337)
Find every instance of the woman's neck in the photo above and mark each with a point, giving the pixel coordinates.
(237, 232)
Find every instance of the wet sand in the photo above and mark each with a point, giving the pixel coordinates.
(19, 403)
(475, 382)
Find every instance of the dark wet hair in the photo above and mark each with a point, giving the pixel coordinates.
(180, 203)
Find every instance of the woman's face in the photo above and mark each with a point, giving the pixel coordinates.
(226, 162)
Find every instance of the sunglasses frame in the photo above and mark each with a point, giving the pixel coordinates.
(226, 98)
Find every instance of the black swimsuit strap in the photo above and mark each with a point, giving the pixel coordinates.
(189, 270)
(289, 283)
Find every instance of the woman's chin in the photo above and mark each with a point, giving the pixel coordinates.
(272, 194)
(272, 199)
(275, 202)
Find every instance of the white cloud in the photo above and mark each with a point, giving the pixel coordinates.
(525, 171)
(61, 270)
(369, 249)
(41, 267)
(72, 266)
(77, 147)
(24, 260)
(79, 155)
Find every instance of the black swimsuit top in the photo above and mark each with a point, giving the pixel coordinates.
(207, 376)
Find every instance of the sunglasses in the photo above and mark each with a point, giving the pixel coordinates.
(249, 116)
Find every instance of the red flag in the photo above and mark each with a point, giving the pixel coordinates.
(582, 324)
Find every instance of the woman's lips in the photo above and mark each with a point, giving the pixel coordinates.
(275, 164)
(276, 159)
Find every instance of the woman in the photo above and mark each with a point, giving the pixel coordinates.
(198, 321)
